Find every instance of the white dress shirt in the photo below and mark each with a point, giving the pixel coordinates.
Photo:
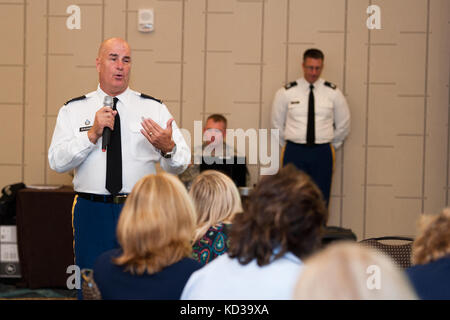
(71, 148)
(290, 113)
(225, 278)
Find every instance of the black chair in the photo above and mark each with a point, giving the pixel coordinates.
(333, 233)
(398, 248)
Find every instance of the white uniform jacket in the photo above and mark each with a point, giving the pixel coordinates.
(71, 148)
(290, 113)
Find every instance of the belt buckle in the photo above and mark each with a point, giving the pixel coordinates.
(119, 199)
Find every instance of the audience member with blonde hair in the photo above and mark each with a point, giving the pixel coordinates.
(350, 271)
(283, 224)
(154, 231)
(431, 257)
(216, 200)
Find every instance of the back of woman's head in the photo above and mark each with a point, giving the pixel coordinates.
(156, 224)
(216, 199)
(286, 212)
(433, 241)
(350, 271)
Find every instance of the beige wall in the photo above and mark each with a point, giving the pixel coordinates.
(230, 56)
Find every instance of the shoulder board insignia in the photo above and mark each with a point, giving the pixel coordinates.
(331, 85)
(75, 99)
(150, 97)
(290, 85)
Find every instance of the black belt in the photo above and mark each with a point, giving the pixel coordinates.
(305, 144)
(119, 199)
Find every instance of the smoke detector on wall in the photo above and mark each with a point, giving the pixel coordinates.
(146, 20)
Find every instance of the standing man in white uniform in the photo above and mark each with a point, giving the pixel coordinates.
(314, 119)
(143, 132)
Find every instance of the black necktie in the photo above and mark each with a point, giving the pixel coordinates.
(310, 129)
(114, 157)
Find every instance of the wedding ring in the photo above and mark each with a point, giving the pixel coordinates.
(150, 133)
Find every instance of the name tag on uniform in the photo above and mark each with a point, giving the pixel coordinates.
(295, 102)
(82, 129)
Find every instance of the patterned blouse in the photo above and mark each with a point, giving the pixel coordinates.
(214, 243)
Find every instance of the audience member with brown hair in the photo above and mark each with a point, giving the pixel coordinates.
(216, 200)
(282, 225)
(431, 255)
(350, 271)
(154, 231)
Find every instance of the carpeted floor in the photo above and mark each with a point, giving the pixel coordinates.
(10, 289)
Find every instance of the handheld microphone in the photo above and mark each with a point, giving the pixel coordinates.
(106, 137)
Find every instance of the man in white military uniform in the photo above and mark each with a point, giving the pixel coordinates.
(143, 133)
(314, 119)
